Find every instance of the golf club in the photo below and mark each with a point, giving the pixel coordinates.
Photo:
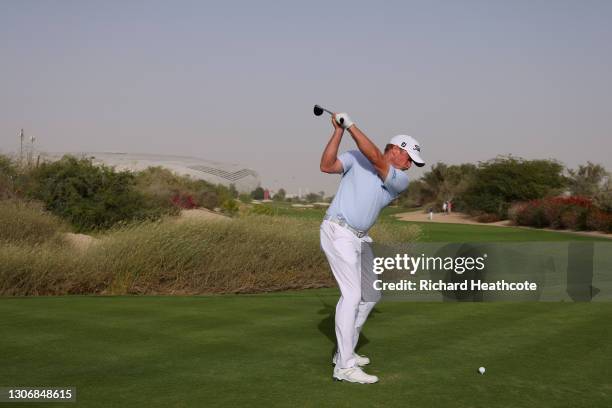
(318, 111)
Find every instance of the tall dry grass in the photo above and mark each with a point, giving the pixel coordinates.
(25, 222)
(245, 255)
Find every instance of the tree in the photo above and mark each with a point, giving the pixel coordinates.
(413, 196)
(257, 194)
(587, 180)
(442, 183)
(313, 197)
(280, 195)
(245, 198)
(603, 198)
(232, 191)
(499, 182)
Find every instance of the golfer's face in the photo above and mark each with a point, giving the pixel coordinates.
(404, 159)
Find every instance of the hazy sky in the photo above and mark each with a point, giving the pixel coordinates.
(236, 81)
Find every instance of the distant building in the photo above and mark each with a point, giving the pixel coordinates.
(266, 194)
(245, 180)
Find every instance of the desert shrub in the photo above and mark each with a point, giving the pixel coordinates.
(42, 269)
(569, 218)
(487, 217)
(89, 196)
(245, 198)
(23, 222)
(170, 189)
(230, 207)
(532, 214)
(8, 174)
(243, 255)
(500, 182)
(577, 213)
(599, 221)
(515, 211)
(184, 201)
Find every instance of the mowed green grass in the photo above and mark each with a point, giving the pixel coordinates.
(439, 232)
(274, 350)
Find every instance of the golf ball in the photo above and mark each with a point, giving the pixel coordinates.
(481, 370)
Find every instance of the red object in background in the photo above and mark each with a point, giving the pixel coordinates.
(578, 201)
(574, 212)
(185, 201)
(266, 194)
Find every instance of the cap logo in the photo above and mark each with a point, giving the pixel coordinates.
(403, 144)
(417, 148)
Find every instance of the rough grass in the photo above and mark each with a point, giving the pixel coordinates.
(249, 254)
(26, 223)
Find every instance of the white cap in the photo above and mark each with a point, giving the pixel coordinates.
(411, 145)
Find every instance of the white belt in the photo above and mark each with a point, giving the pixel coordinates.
(342, 222)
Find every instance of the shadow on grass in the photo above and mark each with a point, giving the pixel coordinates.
(327, 326)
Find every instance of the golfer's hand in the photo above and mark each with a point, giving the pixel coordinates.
(335, 124)
(344, 120)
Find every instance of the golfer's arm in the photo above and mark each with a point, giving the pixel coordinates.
(329, 160)
(370, 151)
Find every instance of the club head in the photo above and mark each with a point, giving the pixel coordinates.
(318, 111)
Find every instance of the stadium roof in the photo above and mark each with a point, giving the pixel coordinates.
(245, 180)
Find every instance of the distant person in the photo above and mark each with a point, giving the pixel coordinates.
(370, 181)
(430, 213)
(450, 206)
(444, 207)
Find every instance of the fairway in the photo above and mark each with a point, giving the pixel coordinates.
(274, 350)
(439, 232)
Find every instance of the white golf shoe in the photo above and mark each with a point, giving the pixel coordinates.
(360, 360)
(354, 375)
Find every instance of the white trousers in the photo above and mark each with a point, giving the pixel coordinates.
(344, 251)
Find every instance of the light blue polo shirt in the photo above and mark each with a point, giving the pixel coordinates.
(362, 194)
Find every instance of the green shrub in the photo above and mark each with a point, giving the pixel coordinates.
(504, 180)
(230, 207)
(245, 198)
(89, 196)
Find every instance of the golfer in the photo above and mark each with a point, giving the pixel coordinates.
(370, 181)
